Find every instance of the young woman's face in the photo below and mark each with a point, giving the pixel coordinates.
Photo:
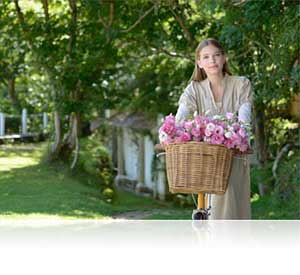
(211, 60)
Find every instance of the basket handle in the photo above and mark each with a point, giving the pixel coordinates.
(160, 154)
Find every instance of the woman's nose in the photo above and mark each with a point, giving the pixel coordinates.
(212, 59)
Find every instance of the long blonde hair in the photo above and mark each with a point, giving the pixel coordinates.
(199, 74)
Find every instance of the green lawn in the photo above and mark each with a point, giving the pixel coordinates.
(31, 188)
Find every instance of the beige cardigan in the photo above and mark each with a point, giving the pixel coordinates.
(197, 96)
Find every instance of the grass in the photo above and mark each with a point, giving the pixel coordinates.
(271, 208)
(32, 188)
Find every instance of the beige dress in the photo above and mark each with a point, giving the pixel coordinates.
(197, 96)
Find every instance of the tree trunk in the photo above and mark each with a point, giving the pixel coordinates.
(261, 148)
(12, 95)
(73, 138)
(70, 142)
(260, 138)
(74, 131)
(56, 147)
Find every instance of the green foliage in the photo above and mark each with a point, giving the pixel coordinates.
(288, 176)
(95, 160)
(280, 134)
(283, 199)
(261, 175)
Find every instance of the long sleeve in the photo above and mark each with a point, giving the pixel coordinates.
(182, 113)
(245, 112)
(187, 104)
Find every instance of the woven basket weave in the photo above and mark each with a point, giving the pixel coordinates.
(198, 167)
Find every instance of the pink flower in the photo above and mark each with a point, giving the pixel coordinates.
(215, 130)
(181, 124)
(196, 139)
(224, 124)
(229, 115)
(184, 137)
(236, 126)
(229, 143)
(236, 139)
(168, 126)
(196, 132)
(179, 132)
(217, 139)
(200, 121)
(243, 146)
(218, 130)
(189, 125)
(242, 132)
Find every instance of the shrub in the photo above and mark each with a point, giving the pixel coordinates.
(95, 160)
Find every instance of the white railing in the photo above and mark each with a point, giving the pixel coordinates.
(23, 120)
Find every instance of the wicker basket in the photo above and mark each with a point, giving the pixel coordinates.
(198, 167)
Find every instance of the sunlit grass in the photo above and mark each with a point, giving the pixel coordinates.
(6, 164)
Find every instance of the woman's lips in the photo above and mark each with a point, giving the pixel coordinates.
(213, 67)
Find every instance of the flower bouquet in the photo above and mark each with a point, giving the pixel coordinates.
(226, 130)
(199, 151)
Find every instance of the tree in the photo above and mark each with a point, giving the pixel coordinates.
(12, 54)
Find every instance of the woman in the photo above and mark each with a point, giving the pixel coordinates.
(213, 90)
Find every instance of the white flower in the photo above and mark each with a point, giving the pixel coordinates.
(228, 134)
(210, 127)
(217, 117)
(162, 136)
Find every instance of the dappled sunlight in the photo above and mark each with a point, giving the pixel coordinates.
(255, 198)
(7, 164)
(19, 156)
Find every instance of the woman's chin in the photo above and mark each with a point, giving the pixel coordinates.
(214, 72)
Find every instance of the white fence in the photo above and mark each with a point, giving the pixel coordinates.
(23, 122)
